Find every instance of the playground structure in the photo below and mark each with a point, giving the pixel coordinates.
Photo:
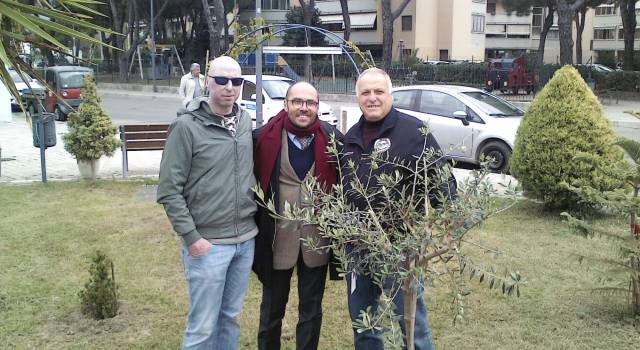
(166, 57)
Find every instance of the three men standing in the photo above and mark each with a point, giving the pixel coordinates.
(290, 148)
(206, 181)
(191, 84)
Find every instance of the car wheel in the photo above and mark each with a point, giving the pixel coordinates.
(500, 155)
(60, 116)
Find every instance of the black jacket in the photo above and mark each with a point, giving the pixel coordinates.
(405, 141)
(263, 258)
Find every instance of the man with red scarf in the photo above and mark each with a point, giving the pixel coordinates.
(290, 148)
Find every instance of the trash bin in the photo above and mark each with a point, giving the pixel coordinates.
(47, 122)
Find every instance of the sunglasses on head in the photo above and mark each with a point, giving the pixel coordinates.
(225, 80)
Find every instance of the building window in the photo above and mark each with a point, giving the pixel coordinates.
(621, 34)
(477, 24)
(407, 23)
(605, 10)
(275, 4)
(604, 34)
(536, 21)
(491, 7)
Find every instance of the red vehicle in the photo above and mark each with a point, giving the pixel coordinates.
(509, 75)
(67, 82)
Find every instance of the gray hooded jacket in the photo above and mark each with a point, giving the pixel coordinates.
(206, 175)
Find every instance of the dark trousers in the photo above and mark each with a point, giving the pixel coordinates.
(311, 282)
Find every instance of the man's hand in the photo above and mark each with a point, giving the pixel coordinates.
(200, 247)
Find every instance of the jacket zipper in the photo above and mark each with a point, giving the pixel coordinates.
(235, 166)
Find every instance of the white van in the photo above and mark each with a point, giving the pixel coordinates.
(274, 90)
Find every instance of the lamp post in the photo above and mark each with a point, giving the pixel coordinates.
(153, 50)
(259, 71)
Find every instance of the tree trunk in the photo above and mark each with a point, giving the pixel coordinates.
(307, 11)
(627, 12)
(548, 22)
(580, 19)
(635, 284)
(214, 39)
(410, 298)
(388, 17)
(221, 21)
(387, 35)
(565, 17)
(346, 19)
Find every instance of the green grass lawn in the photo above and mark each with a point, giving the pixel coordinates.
(48, 231)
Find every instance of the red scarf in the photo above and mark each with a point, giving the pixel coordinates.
(269, 143)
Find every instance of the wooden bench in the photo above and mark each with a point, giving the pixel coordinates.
(141, 137)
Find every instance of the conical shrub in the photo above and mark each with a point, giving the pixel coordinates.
(91, 132)
(565, 138)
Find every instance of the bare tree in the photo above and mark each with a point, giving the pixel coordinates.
(346, 19)
(548, 23)
(214, 28)
(388, 17)
(307, 12)
(133, 31)
(629, 22)
(580, 19)
(566, 12)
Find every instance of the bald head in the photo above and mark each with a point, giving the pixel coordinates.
(373, 90)
(370, 73)
(301, 104)
(224, 66)
(301, 85)
(223, 95)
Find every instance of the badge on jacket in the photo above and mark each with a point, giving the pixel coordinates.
(382, 145)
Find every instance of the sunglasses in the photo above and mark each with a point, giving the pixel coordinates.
(224, 80)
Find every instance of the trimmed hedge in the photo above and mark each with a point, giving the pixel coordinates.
(565, 138)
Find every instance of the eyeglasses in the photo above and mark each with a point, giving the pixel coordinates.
(224, 80)
(297, 103)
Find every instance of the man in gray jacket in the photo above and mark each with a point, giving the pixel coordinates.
(206, 180)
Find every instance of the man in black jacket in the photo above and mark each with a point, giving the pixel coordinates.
(397, 136)
(289, 149)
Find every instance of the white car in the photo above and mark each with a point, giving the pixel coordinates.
(21, 86)
(596, 67)
(466, 122)
(274, 90)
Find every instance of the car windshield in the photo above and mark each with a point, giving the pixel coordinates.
(276, 89)
(602, 68)
(493, 105)
(73, 79)
(15, 77)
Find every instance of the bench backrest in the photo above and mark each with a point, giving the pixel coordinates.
(143, 137)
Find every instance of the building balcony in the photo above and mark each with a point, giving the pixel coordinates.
(510, 43)
(612, 45)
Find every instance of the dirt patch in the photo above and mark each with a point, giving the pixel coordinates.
(78, 326)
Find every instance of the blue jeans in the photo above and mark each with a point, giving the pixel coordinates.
(367, 293)
(217, 284)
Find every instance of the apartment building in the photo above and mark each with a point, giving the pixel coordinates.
(608, 34)
(461, 29)
(445, 29)
(511, 34)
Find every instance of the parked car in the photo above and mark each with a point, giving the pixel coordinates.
(22, 87)
(597, 67)
(435, 63)
(67, 82)
(466, 122)
(274, 90)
